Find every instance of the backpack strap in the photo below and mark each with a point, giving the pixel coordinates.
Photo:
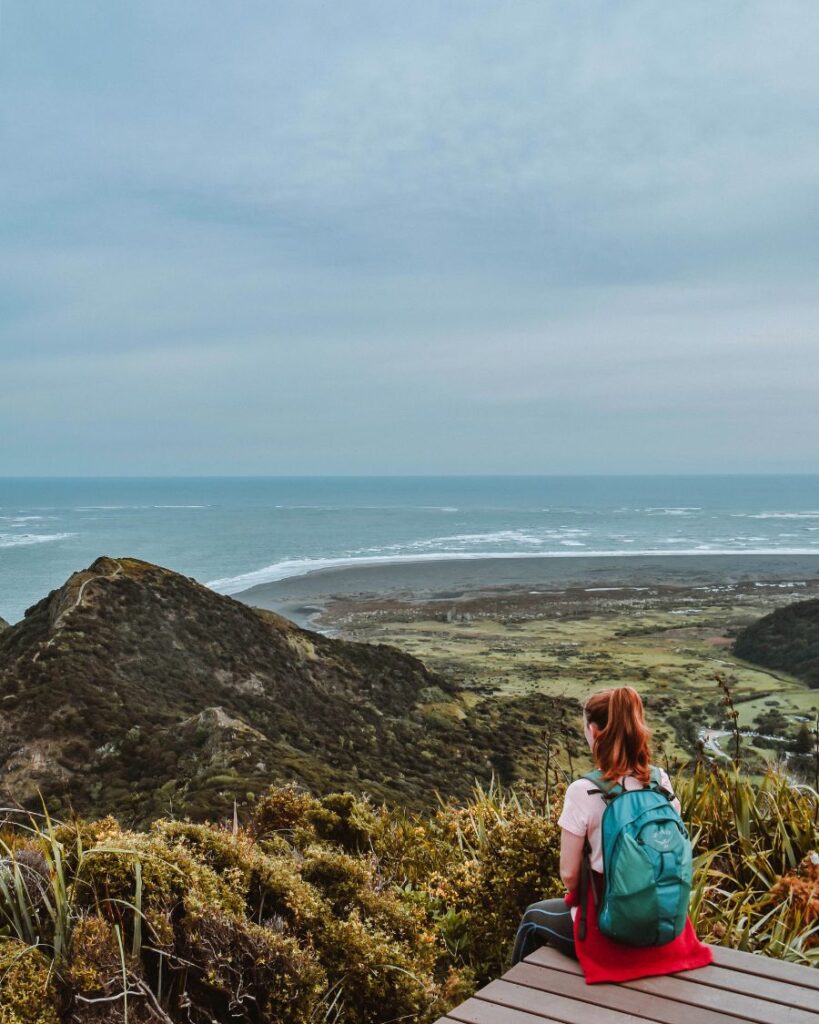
(585, 881)
(609, 789)
(656, 783)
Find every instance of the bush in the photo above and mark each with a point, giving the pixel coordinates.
(339, 911)
(27, 995)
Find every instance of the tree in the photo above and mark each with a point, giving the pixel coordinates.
(804, 740)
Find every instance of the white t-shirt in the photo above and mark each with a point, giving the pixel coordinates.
(582, 812)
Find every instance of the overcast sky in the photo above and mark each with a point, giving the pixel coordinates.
(390, 237)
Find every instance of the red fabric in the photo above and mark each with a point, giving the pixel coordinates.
(605, 960)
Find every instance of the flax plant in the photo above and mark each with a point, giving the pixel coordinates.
(747, 838)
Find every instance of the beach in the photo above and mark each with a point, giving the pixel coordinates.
(316, 598)
(512, 628)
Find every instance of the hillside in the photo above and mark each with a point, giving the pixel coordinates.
(787, 639)
(135, 690)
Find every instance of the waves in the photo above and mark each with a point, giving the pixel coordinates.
(22, 540)
(304, 566)
(775, 515)
(130, 508)
(245, 532)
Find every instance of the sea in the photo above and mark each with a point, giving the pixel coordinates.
(234, 533)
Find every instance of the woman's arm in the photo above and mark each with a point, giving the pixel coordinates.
(571, 857)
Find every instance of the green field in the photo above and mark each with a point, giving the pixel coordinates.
(670, 654)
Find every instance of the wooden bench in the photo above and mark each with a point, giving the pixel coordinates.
(548, 988)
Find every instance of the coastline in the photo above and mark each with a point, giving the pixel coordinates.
(304, 598)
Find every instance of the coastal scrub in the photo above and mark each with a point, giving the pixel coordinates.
(338, 910)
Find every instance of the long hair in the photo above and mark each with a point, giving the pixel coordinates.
(622, 744)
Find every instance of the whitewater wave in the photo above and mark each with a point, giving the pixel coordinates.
(290, 568)
(458, 541)
(775, 515)
(671, 510)
(21, 540)
(367, 508)
(130, 508)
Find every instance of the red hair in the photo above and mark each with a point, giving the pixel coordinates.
(621, 747)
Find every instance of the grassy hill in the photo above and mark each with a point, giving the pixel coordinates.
(787, 639)
(135, 690)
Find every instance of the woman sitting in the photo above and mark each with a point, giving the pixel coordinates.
(655, 935)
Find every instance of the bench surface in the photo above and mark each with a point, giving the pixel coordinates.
(548, 988)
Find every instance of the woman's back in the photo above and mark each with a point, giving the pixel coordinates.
(614, 726)
(583, 808)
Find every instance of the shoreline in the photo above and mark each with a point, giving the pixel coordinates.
(303, 598)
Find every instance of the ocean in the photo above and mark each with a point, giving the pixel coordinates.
(234, 533)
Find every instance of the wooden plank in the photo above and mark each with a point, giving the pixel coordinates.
(767, 967)
(761, 1011)
(756, 985)
(476, 1011)
(616, 997)
(683, 988)
(558, 1007)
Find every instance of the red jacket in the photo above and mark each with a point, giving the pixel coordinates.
(602, 959)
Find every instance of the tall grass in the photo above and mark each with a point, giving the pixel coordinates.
(29, 884)
(747, 838)
(44, 893)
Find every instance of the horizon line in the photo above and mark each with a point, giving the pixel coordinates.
(389, 476)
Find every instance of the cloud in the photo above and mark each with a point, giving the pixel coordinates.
(291, 222)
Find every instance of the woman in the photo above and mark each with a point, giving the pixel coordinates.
(615, 729)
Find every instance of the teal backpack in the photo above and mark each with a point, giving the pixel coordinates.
(646, 865)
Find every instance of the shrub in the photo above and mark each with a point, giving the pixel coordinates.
(27, 994)
(339, 911)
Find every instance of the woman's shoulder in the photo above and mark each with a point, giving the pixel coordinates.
(665, 781)
(580, 792)
(580, 787)
(574, 816)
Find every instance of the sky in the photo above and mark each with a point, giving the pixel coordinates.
(382, 238)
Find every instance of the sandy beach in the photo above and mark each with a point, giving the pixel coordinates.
(304, 598)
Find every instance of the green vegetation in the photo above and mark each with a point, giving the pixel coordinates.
(563, 647)
(787, 639)
(336, 910)
(136, 691)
